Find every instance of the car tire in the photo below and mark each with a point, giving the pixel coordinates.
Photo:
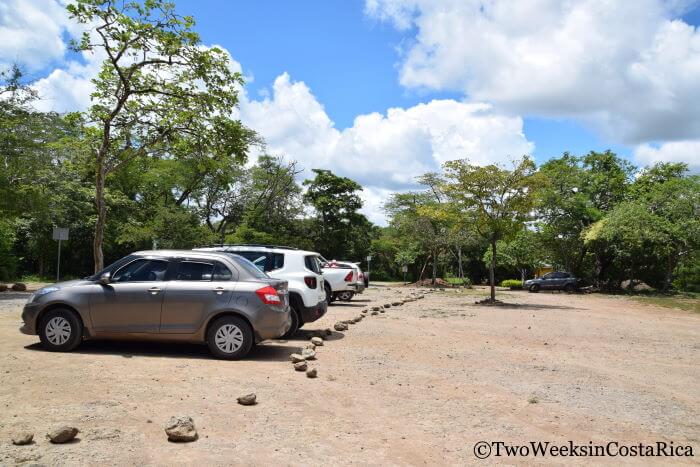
(329, 295)
(296, 323)
(345, 296)
(60, 330)
(534, 288)
(230, 338)
(569, 288)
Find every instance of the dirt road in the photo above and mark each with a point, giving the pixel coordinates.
(419, 384)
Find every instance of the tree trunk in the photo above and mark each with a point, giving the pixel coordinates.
(670, 267)
(492, 269)
(459, 261)
(434, 266)
(101, 207)
(422, 271)
(522, 275)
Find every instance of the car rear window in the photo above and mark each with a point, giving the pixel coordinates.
(194, 271)
(222, 273)
(263, 260)
(247, 265)
(312, 263)
(276, 261)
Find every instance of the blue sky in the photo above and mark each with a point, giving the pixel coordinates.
(346, 58)
(384, 90)
(350, 62)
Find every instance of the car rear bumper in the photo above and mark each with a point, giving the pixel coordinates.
(312, 313)
(274, 325)
(359, 287)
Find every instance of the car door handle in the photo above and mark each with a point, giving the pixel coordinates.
(219, 290)
(154, 290)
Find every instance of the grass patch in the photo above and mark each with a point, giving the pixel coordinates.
(681, 303)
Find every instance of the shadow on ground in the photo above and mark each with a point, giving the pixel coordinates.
(352, 304)
(307, 334)
(524, 306)
(267, 351)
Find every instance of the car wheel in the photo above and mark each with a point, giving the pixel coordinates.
(296, 323)
(535, 288)
(230, 338)
(345, 296)
(60, 330)
(329, 295)
(569, 288)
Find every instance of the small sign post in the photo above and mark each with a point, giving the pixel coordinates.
(404, 268)
(60, 234)
(369, 260)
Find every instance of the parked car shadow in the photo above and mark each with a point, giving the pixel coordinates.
(271, 351)
(129, 349)
(307, 334)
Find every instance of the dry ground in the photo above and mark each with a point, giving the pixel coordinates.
(419, 384)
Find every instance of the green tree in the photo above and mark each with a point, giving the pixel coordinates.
(648, 236)
(522, 252)
(157, 85)
(498, 201)
(339, 225)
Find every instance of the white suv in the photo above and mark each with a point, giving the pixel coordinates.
(301, 269)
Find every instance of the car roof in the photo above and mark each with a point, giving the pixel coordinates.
(272, 249)
(182, 254)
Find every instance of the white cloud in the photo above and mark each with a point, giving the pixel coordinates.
(383, 152)
(627, 67)
(32, 32)
(394, 147)
(68, 88)
(676, 151)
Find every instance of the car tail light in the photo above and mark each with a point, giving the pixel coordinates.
(269, 296)
(348, 278)
(361, 276)
(310, 282)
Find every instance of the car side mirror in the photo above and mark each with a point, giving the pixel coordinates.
(106, 278)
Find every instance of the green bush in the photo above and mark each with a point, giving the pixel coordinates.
(688, 274)
(512, 283)
(465, 281)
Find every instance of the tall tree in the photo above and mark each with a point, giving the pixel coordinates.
(522, 252)
(336, 201)
(157, 83)
(497, 200)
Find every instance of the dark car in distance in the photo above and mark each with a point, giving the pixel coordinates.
(556, 280)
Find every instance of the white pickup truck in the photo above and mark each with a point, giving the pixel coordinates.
(343, 279)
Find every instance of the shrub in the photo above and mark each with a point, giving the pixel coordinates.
(512, 283)
(464, 282)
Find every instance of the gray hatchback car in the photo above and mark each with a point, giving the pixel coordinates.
(219, 299)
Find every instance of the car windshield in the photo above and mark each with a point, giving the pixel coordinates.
(249, 266)
(111, 268)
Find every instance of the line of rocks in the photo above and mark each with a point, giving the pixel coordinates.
(308, 353)
(16, 287)
(58, 435)
(344, 325)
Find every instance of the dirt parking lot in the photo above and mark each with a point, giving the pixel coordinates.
(419, 384)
